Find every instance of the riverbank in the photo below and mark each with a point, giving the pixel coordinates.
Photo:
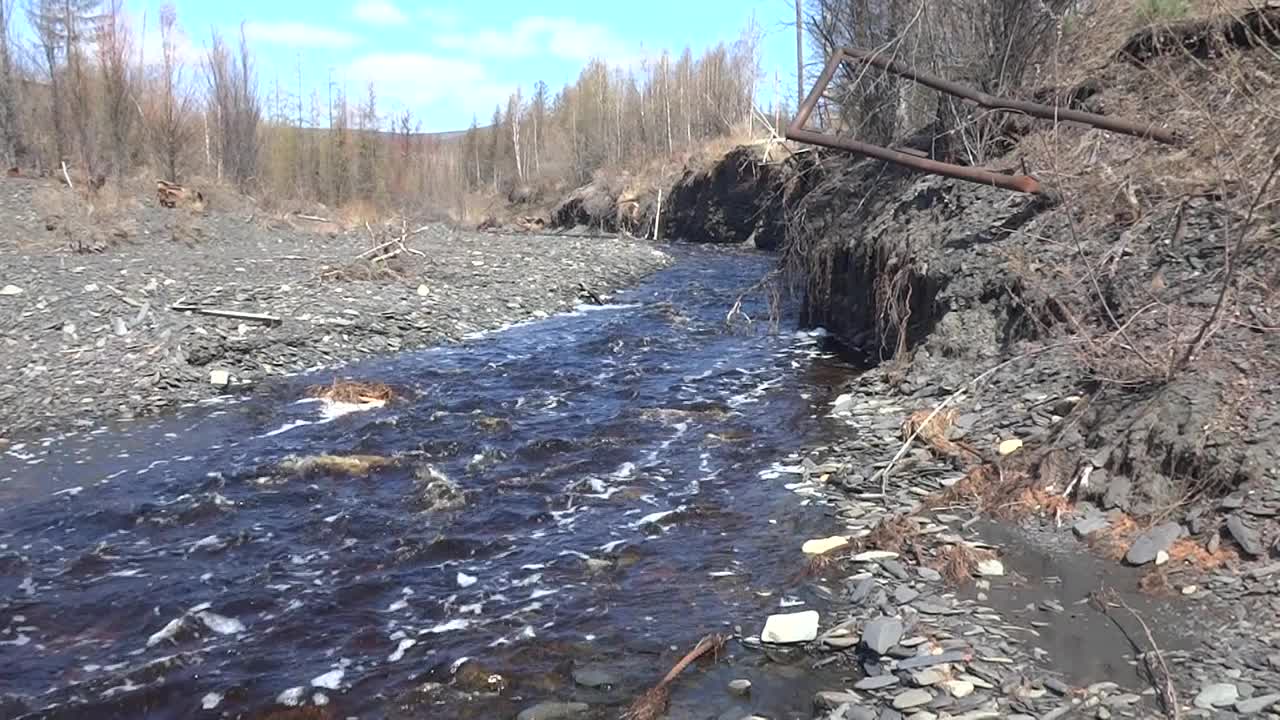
(89, 337)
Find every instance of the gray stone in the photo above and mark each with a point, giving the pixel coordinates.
(896, 569)
(924, 661)
(903, 594)
(929, 574)
(740, 686)
(1151, 543)
(1117, 493)
(1090, 525)
(881, 634)
(1245, 536)
(594, 677)
(1056, 686)
(553, 711)
(1216, 695)
(831, 699)
(1253, 706)
(878, 682)
(862, 590)
(911, 699)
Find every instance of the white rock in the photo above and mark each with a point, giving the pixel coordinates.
(331, 680)
(220, 377)
(1162, 557)
(1009, 447)
(958, 688)
(873, 555)
(791, 628)
(844, 403)
(211, 700)
(423, 290)
(822, 546)
(991, 567)
(291, 697)
(221, 624)
(11, 290)
(168, 632)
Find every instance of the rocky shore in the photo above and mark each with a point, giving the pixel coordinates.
(88, 336)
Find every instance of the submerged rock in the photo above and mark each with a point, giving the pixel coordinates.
(553, 711)
(594, 677)
(435, 492)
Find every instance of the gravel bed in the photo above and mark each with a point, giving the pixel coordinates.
(92, 336)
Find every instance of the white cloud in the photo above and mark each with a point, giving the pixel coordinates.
(379, 12)
(300, 35)
(419, 79)
(563, 38)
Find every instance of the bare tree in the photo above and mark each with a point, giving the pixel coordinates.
(10, 132)
(118, 103)
(170, 128)
(233, 92)
(513, 117)
(44, 16)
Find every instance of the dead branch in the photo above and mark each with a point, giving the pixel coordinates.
(652, 704)
(233, 314)
(1153, 658)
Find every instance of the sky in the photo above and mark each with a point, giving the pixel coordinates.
(450, 61)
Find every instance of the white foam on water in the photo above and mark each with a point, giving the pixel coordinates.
(452, 625)
(333, 410)
(331, 680)
(400, 650)
(292, 425)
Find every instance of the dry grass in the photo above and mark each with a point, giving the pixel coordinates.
(354, 392)
(893, 534)
(958, 562)
(1113, 541)
(934, 431)
(350, 465)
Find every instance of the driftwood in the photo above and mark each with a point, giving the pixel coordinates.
(233, 314)
(653, 704)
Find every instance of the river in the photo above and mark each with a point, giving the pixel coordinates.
(621, 466)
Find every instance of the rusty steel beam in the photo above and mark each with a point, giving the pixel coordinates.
(1018, 183)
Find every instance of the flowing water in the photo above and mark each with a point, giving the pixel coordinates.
(623, 496)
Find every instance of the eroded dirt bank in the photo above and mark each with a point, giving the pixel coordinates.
(1093, 371)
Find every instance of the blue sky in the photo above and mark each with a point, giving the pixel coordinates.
(449, 60)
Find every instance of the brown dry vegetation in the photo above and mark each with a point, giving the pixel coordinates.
(353, 391)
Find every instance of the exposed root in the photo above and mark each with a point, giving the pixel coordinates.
(893, 534)
(352, 465)
(351, 391)
(957, 563)
(819, 565)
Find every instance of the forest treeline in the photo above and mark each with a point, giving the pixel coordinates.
(76, 88)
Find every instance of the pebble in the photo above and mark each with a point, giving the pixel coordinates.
(926, 678)
(1216, 695)
(11, 290)
(878, 682)
(791, 628)
(1011, 446)
(553, 711)
(1090, 525)
(911, 699)
(831, 699)
(959, 689)
(741, 687)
